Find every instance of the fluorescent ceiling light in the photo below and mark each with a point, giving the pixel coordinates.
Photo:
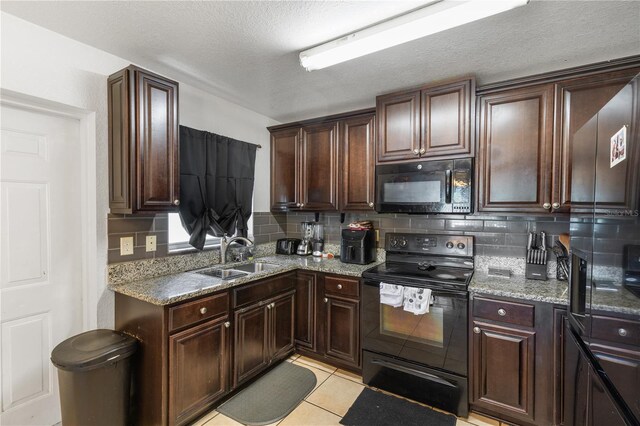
(420, 23)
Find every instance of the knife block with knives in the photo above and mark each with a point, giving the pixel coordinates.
(536, 266)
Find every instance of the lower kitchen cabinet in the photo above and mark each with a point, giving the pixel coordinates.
(332, 304)
(513, 360)
(264, 327)
(198, 368)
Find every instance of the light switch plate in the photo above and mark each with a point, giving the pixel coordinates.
(151, 243)
(126, 246)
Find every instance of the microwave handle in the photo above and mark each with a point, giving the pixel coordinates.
(447, 187)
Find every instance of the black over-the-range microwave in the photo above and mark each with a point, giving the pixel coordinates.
(440, 186)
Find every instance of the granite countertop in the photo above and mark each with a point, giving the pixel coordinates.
(518, 287)
(168, 289)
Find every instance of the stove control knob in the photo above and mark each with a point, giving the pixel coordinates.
(449, 245)
(403, 243)
(461, 246)
(393, 242)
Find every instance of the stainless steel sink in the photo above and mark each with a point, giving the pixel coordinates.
(225, 274)
(252, 268)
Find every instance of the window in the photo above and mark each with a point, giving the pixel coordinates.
(179, 239)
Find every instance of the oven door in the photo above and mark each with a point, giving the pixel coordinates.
(437, 339)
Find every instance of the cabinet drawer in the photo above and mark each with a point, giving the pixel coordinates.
(341, 286)
(192, 312)
(498, 310)
(616, 330)
(263, 289)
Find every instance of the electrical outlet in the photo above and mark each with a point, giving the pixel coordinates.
(151, 243)
(126, 246)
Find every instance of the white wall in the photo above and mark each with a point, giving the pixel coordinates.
(46, 65)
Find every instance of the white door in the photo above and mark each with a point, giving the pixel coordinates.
(40, 258)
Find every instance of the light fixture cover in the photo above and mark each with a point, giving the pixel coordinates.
(432, 19)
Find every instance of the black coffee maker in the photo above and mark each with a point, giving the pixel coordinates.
(358, 246)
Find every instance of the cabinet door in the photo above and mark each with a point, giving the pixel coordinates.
(577, 101)
(281, 322)
(358, 162)
(515, 150)
(319, 186)
(398, 116)
(503, 370)
(305, 310)
(446, 119)
(158, 171)
(251, 342)
(575, 382)
(198, 369)
(623, 368)
(121, 170)
(602, 409)
(285, 155)
(342, 340)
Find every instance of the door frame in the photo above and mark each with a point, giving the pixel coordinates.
(92, 278)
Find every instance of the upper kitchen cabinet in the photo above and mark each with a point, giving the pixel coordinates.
(319, 186)
(285, 148)
(144, 173)
(577, 130)
(431, 121)
(324, 164)
(515, 150)
(357, 157)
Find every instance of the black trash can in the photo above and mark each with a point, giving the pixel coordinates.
(94, 374)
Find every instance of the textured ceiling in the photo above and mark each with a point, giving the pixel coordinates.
(247, 52)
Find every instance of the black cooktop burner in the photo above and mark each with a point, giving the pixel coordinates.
(417, 273)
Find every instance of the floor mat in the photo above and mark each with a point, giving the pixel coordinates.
(272, 396)
(374, 408)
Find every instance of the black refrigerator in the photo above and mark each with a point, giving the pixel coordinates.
(602, 335)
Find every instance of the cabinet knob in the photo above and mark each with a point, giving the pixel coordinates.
(273, 305)
(622, 332)
(546, 206)
(371, 204)
(176, 202)
(422, 150)
(297, 204)
(416, 152)
(203, 310)
(502, 312)
(326, 300)
(301, 204)
(339, 286)
(227, 324)
(476, 330)
(555, 206)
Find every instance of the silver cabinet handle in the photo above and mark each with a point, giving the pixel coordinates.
(502, 312)
(546, 206)
(476, 330)
(203, 310)
(622, 332)
(176, 202)
(371, 204)
(555, 206)
(326, 300)
(422, 150)
(227, 324)
(416, 152)
(339, 286)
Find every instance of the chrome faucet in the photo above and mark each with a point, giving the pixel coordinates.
(224, 245)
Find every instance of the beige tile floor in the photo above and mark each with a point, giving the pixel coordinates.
(322, 407)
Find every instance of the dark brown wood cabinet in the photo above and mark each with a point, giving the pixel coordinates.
(198, 369)
(305, 316)
(144, 167)
(430, 121)
(324, 164)
(515, 150)
(264, 324)
(357, 161)
(513, 360)
(182, 365)
(319, 165)
(342, 340)
(285, 173)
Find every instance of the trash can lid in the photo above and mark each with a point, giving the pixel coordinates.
(92, 349)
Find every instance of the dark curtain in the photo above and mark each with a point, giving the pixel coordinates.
(216, 184)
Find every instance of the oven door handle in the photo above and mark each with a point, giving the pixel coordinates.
(414, 372)
(447, 187)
